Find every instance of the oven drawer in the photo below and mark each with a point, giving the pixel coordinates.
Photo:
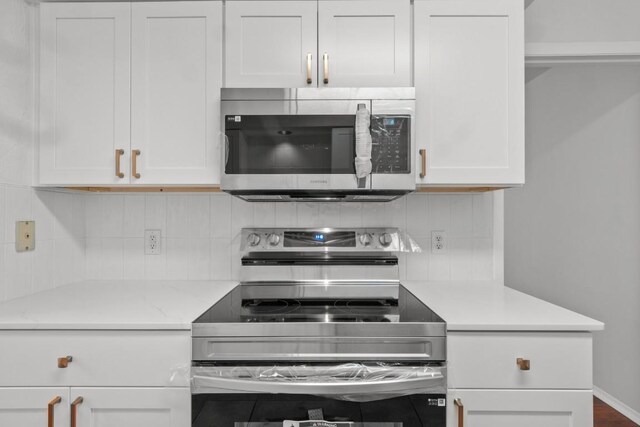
(100, 358)
(319, 349)
(486, 360)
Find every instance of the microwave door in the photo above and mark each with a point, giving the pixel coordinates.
(297, 152)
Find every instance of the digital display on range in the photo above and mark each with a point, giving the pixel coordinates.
(329, 239)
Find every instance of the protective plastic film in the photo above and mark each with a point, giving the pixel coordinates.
(407, 243)
(363, 142)
(390, 153)
(355, 382)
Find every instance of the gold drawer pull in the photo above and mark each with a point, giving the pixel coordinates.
(74, 410)
(63, 362)
(460, 406)
(134, 163)
(423, 155)
(523, 364)
(119, 153)
(50, 409)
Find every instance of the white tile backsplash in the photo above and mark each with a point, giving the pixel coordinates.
(134, 215)
(101, 236)
(59, 256)
(201, 233)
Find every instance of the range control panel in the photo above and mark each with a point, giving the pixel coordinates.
(321, 239)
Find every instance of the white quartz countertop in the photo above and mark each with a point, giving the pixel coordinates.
(478, 306)
(158, 305)
(174, 305)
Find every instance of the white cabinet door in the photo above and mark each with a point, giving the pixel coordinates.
(84, 92)
(133, 407)
(29, 407)
(521, 408)
(175, 80)
(271, 43)
(366, 43)
(469, 78)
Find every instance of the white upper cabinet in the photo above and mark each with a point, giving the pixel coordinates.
(129, 86)
(85, 96)
(364, 43)
(176, 76)
(337, 43)
(469, 78)
(271, 43)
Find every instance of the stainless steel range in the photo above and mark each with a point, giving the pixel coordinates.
(361, 351)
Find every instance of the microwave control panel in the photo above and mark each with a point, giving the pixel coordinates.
(391, 144)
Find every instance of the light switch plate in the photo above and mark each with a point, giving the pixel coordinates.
(25, 236)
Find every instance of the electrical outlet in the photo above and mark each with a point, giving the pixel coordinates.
(152, 239)
(438, 242)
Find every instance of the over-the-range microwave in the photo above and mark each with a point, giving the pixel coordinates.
(300, 144)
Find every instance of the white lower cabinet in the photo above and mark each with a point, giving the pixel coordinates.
(133, 407)
(521, 408)
(111, 378)
(524, 379)
(30, 407)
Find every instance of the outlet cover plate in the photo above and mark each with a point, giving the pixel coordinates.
(438, 242)
(152, 242)
(25, 236)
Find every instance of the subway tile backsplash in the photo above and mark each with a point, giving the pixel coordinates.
(101, 236)
(200, 233)
(59, 257)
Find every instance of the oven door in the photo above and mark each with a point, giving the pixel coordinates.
(369, 394)
(310, 146)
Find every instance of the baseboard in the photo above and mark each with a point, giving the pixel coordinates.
(625, 410)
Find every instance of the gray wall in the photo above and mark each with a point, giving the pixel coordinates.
(572, 234)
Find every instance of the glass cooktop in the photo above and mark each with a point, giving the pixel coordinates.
(319, 302)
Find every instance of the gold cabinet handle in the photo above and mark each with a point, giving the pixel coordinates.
(63, 362)
(523, 364)
(309, 75)
(74, 410)
(325, 63)
(119, 154)
(50, 409)
(134, 163)
(460, 406)
(423, 155)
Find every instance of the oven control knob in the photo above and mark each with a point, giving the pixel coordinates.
(273, 239)
(386, 239)
(253, 239)
(365, 239)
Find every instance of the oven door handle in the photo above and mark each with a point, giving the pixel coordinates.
(431, 382)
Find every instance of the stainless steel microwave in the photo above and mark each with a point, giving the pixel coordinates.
(300, 144)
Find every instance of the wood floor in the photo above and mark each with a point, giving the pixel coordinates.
(605, 416)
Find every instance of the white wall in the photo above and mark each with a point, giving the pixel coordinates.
(572, 234)
(200, 233)
(59, 255)
(582, 21)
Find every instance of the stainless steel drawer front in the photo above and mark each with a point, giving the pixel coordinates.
(319, 349)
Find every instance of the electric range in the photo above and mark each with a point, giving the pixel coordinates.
(343, 342)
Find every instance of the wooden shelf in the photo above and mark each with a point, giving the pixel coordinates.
(549, 54)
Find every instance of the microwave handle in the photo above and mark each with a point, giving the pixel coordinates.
(398, 385)
(226, 150)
